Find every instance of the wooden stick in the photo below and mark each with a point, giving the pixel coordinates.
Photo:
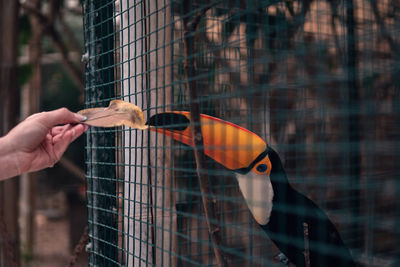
(306, 245)
(79, 248)
(207, 197)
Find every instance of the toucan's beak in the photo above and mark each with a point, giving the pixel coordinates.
(229, 144)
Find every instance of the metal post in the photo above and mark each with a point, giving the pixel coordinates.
(100, 71)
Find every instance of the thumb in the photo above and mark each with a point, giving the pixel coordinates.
(60, 116)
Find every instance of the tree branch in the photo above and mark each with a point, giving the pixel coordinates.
(384, 32)
(207, 197)
(79, 247)
(73, 70)
(69, 33)
(72, 168)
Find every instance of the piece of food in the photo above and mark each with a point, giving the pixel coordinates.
(118, 113)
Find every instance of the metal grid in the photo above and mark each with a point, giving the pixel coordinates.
(318, 80)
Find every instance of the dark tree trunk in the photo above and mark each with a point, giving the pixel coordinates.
(9, 108)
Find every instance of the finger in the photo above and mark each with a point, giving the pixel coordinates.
(62, 145)
(75, 132)
(49, 137)
(62, 140)
(78, 130)
(59, 116)
(61, 132)
(60, 129)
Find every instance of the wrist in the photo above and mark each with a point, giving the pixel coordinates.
(9, 162)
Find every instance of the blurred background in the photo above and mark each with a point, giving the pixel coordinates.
(317, 79)
(41, 70)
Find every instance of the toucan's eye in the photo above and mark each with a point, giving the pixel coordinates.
(262, 168)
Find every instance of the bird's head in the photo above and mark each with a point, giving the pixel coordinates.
(235, 147)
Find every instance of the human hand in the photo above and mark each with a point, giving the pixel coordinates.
(38, 142)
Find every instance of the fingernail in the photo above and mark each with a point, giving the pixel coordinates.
(86, 127)
(73, 133)
(80, 117)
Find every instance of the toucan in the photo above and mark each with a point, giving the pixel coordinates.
(296, 225)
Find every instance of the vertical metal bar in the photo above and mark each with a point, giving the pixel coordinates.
(397, 170)
(88, 20)
(353, 125)
(370, 146)
(396, 110)
(106, 65)
(101, 144)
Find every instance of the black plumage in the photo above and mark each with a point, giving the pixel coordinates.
(290, 211)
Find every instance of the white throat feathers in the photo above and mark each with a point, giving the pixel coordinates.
(258, 193)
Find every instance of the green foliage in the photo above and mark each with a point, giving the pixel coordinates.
(24, 30)
(24, 73)
(59, 90)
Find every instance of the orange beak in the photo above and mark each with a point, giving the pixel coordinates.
(229, 144)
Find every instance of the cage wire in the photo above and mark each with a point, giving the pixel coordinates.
(317, 80)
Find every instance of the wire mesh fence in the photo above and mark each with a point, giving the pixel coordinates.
(317, 80)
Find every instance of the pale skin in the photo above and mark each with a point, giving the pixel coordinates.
(38, 142)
